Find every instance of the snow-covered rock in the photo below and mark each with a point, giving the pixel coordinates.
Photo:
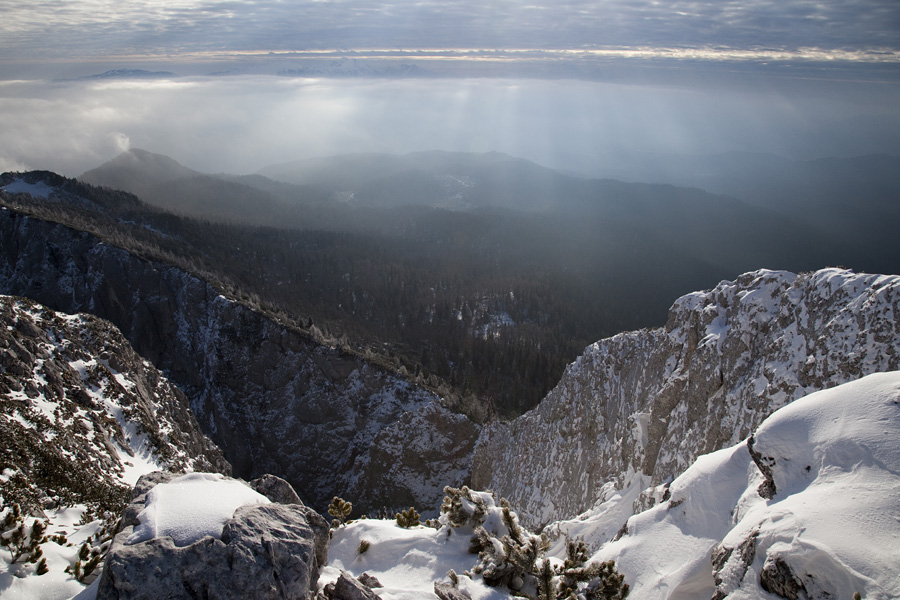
(830, 528)
(648, 403)
(191, 507)
(212, 537)
(80, 409)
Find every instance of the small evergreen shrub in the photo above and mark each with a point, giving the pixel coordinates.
(19, 538)
(340, 509)
(408, 518)
(510, 556)
(364, 545)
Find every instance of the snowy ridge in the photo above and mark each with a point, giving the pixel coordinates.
(646, 404)
(830, 529)
(807, 509)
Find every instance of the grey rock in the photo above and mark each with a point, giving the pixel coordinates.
(278, 490)
(370, 581)
(778, 578)
(730, 565)
(265, 551)
(446, 591)
(348, 587)
(275, 489)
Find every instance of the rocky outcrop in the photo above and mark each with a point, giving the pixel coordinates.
(348, 587)
(649, 402)
(272, 398)
(264, 551)
(82, 415)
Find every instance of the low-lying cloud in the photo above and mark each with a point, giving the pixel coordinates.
(241, 124)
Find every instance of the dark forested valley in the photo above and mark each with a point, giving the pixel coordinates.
(480, 276)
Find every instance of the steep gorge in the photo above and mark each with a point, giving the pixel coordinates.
(273, 399)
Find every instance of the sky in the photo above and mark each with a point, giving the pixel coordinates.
(571, 84)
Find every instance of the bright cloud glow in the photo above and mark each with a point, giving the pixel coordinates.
(241, 124)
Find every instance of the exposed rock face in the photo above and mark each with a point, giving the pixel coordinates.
(423, 449)
(777, 578)
(265, 551)
(273, 399)
(652, 401)
(82, 415)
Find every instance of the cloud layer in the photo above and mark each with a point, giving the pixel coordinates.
(52, 29)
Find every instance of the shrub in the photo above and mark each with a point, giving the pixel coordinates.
(511, 556)
(20, 539)
(408, 518)
(340, 509)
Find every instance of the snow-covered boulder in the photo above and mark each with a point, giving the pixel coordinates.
(811, 510)
(205, 535)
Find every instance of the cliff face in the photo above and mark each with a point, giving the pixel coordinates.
(649, 402)
(274, 400)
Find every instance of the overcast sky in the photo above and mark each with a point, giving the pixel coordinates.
(568, 83)
(61, 28)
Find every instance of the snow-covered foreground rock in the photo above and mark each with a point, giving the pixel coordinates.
(203, 535)
(640, 407)
(407, 562)
(82, 417)
(810, 505)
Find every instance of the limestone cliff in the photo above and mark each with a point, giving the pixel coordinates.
(649, 402)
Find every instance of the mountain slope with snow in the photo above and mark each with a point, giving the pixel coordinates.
(638, 408)
(809, 505)
(82, 417)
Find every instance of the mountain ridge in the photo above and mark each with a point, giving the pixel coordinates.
(636, 409)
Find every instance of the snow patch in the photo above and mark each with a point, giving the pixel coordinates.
(35, 190)
(192, 507)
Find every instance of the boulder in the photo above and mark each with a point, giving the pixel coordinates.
(264, 551)
(348, 587)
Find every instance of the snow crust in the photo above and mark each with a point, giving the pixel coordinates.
(406, 561)
(834, 519)
(56, 584)
(191, 507)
